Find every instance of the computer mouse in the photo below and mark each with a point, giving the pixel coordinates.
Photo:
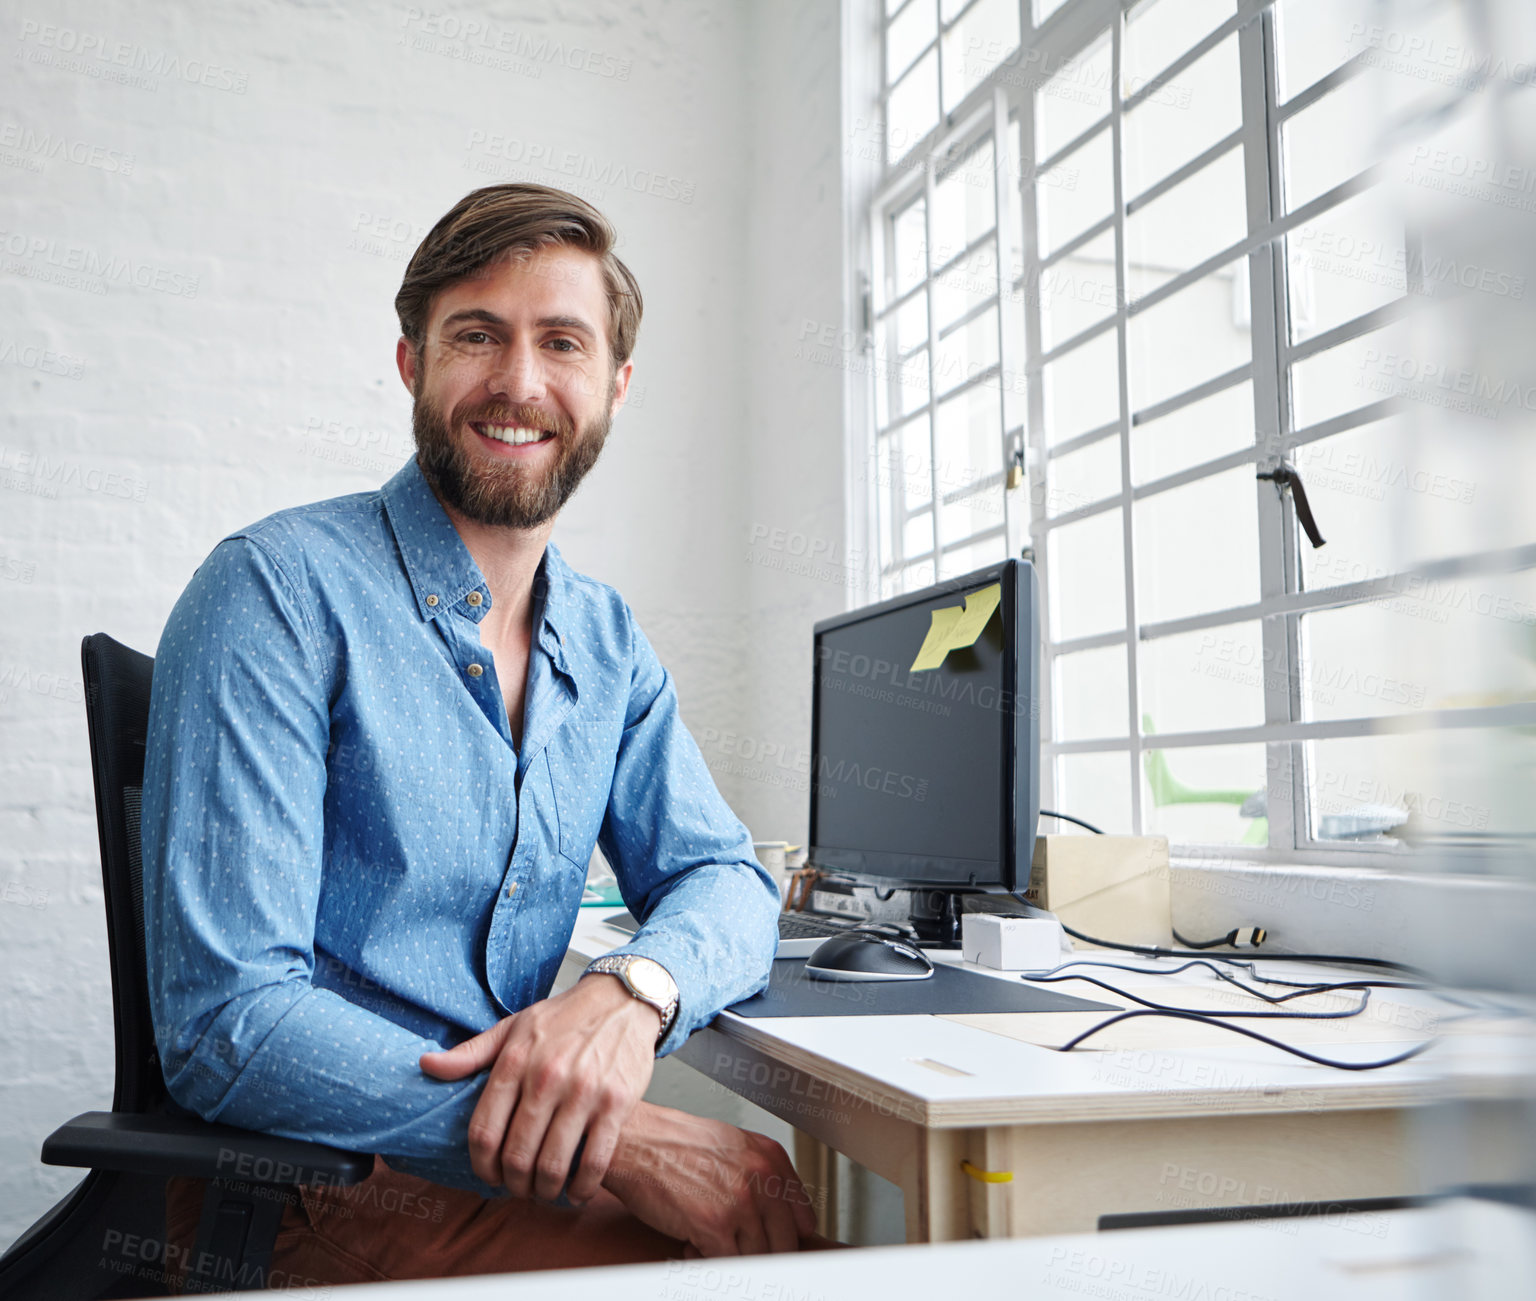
(868, 955)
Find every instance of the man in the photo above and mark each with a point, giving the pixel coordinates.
(386, 731)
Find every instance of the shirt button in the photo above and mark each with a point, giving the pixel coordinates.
(475, 670)
(432, 600)
(473, 598)
(512, 889)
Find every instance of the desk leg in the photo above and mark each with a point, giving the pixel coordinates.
(938, 1201)
(817, 1168)
(942, 1203)
(990, 1200)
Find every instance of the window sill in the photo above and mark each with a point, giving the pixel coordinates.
(1465, 929)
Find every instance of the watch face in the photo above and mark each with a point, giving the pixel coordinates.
(650, 979)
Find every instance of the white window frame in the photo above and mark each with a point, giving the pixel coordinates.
(987, 110)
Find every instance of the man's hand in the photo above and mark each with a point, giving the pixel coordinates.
(723, 1190)
(573, 1064)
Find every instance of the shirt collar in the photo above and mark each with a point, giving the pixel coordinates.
(443, 573)
(551, 605)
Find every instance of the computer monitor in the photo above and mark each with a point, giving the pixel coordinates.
(925, 742)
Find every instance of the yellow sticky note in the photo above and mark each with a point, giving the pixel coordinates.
(936, 644)
(955, 628)
(978, 611)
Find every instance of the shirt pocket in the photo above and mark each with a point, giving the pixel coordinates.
(582, 781)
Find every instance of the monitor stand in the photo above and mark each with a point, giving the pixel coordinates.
(935, 916)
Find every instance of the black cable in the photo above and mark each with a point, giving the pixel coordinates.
(1204, 944)
(1472, 1007)
(1155, 951)
(1298, 989)
(1251, 1034)
(1227, 939)
(1365, 997)
(1234, 937)
(1231, 937)
(1348, 984)
(1067, 817)
(1208, 963)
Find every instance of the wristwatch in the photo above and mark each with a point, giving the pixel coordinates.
(646, 979)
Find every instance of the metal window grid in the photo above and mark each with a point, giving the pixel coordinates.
(1002, 110)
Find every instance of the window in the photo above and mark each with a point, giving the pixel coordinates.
(1125, 260)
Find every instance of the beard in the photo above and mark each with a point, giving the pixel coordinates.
(498, 493)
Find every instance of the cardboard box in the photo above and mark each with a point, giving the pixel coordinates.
(1110, 887)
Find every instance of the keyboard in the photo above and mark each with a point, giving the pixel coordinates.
(799, 933)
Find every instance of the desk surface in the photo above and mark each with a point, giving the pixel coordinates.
(942, 1073)
(1458, 1251)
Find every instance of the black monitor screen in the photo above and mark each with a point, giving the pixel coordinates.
(911, 769)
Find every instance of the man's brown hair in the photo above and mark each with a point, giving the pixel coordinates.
(491, 222)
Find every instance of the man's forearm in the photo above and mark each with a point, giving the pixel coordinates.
(723, 1189)
(635, 1157)
(659, 1148)
(305, 1063)
(715, 931)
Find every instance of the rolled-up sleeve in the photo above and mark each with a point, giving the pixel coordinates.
(233, 836)
(683, 859)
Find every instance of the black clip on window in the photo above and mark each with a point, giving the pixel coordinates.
(1286, 477)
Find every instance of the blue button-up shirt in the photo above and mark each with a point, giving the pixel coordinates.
(348, 862)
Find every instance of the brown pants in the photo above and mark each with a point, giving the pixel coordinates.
(395, 1226)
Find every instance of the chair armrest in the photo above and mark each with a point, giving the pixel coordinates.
(185, 1145)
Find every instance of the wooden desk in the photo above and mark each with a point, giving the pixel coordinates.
(1105, 1131)
(1458, 1251)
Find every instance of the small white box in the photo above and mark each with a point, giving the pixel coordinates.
(1010, 943)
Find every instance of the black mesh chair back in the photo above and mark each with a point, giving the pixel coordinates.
(80, 1248)
(117, 682)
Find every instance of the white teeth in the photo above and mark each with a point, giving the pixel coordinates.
(514, 434)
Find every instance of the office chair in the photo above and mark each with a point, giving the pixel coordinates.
(107, 1237)
(1167, 789)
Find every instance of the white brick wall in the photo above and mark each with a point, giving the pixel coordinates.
(204, 216)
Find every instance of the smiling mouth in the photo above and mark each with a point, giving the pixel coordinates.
(515, 435)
